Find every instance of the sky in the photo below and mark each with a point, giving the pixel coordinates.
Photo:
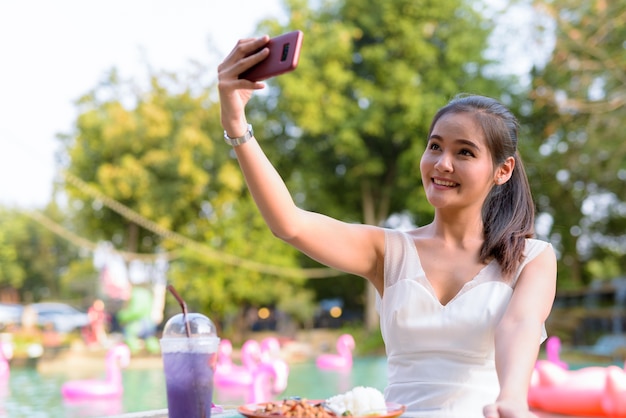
(52, 52)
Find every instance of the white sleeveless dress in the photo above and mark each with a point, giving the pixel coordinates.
(440, 358)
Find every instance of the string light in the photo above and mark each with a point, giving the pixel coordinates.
(126, 212)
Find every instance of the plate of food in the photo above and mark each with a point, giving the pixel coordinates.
(361, 402)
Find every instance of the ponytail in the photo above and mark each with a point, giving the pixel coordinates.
(508, 219)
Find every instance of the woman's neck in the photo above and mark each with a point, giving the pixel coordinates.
(456, 229)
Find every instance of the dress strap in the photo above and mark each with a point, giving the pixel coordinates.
(534, 247)
(401, 258)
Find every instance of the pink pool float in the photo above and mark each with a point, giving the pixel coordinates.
(343, 359)
(258, 391)
(262, 389)
(553, 352)
(6, 353)
(255, 380)
(227, 373)
(270, 354)
(591, 391)
(111, 387)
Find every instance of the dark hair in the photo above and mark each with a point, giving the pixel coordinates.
(508, 211)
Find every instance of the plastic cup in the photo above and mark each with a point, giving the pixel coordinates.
(189, 364)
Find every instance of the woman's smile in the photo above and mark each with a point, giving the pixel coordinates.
(444, 183)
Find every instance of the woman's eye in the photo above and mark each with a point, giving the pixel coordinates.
(466, 152)
(433, 146)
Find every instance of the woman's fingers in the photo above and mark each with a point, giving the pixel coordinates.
(245, 54)
(235, 92)
(491, 411)
(505, 410)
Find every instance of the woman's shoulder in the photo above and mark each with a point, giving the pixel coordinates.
(535, 246)
(414, 233)
(404, 237)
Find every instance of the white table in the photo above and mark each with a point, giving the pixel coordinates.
(229, 412)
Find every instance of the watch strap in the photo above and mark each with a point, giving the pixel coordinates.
(235, 142)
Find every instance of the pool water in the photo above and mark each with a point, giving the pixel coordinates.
(30, 394)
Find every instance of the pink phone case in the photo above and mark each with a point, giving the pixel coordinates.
(283, 57)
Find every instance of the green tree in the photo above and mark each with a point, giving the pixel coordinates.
(231, 290)
(151, 155)
(12, 273)
(348, 127)
(147, 169)
(578, 118)
(34, 258)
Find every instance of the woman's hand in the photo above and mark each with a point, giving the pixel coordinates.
(507, 409)
(235, 92)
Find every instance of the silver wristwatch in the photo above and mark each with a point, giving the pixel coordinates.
(240, 139)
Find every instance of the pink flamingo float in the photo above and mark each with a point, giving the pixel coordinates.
(270, 354)
(6, 353)
(228, 373)
(261, 388)
(110, 387)
(590, 391)
(553, 352)
(255, 379)
(343, 359)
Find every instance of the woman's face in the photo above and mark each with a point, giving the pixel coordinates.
(457, 168)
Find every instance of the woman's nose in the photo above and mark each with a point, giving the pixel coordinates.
(444, 163)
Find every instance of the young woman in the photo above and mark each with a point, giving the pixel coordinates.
(463, 300)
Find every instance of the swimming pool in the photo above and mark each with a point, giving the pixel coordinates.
(33, 395)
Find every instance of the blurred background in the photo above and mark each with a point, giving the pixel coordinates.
(117, 182)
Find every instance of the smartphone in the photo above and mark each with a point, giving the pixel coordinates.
(284, 56)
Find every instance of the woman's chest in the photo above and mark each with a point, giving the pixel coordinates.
(411, 313)
(447, 273)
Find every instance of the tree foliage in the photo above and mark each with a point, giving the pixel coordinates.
(358, 108)
(12, 273)
(346, 130)
(579, 117)
(151, 156)
(158, 166)
(32, 258)
(348, 127)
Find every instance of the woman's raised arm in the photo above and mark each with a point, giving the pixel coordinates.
(353, 248)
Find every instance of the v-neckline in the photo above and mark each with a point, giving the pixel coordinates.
(430, 287)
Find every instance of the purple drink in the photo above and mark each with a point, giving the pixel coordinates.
(189, 381)
(188, 364)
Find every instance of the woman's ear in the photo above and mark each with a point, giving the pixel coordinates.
(504, 171)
